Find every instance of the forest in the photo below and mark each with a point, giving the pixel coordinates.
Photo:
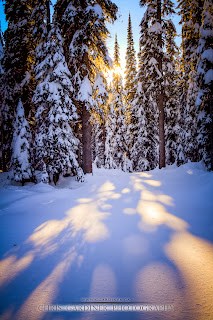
(58, 112)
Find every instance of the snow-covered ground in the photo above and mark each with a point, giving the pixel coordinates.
(143, 236)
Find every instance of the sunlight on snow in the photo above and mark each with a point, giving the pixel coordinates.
(154, 214)
(46, 291)
(143, 174)
(152, 183)
(157, 283)
(87, 217)
(47, 232)
(126, 190)
(194, 258)
(151, 207)
(10, 267)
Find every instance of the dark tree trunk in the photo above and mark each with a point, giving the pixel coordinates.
(86, 140)
(48, 15)
(161, 98)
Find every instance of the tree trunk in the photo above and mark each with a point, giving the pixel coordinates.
(48, 15)
(104, 142)
(161, 97)
(86, 139)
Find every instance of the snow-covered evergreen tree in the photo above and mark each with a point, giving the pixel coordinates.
(205, 83)
(14, 62)
(191, 14)
(21, 148)
(131, 66)
(83, 25)
(172, 94)
(55, 143)
(100, 94)
(153, 35)
(141, 148)
(117, 152)
(144, 150)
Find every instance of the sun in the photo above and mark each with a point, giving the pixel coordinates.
(118, 70)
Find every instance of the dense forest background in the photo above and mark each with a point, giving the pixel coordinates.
(58, 112)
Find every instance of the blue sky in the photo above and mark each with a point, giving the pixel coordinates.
(120, 26)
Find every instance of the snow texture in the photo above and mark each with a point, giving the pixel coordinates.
(145, 236)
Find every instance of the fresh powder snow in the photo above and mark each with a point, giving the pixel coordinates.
(144, 236)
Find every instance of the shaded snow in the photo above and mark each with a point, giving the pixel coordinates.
(144, 236)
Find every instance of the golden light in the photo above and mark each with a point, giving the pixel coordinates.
(117, 70)
(193, 257)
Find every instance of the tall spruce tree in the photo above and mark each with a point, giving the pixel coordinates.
(117, 154)
(155, 20)
(191, 13)
(131, 65)
(83, 25)
(172, 95)
(14, 82)
(100, 95)
(55, 143)
(205, 82)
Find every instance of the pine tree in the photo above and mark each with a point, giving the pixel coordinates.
(172, 95)
(191, 12)
(55, 144)
(21, 146)
(84, 29)
(144, 150)
(131, 65)
(141, 148)
(100, 94)
(205, 83)
(153, 25)
(117, 155)
(15, 78)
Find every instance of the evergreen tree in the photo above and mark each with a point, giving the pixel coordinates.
(141, 147)
(205, 83)
(172, 95)
(55, 144)
(15, 78)
(83, 25)
(153, 25)
(100, 94)
(145, 110)
(131, 65)
(191, 12)
(117, 153)
(21, 146)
